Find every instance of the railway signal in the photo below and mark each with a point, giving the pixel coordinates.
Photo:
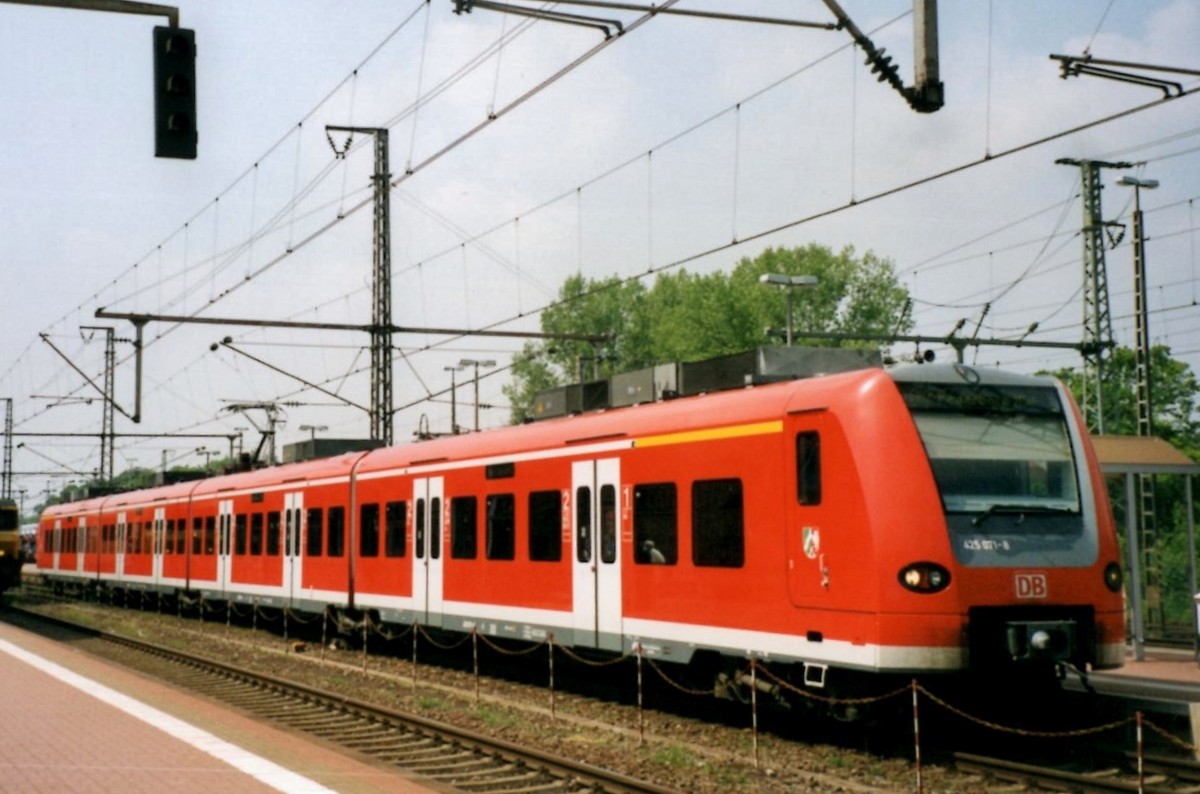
(175, 93)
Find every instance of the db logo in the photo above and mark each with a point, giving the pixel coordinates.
(1031, 585)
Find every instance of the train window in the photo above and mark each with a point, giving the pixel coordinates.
(718, 537)
(808, 468)
(464, 529)
(337, 531)
(501, 527)
(583, 524)
(291, 547)
(419, 540)
(273, 533)
(239, 534)
(256, 534)
(316, 522)
(545, 526)
(368, 530)
(435, 528)
(655, 524)
(608, 524)
(181, 536)
(197, 535)
(395, 516)
(210, 532)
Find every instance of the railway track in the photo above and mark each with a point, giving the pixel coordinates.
(1159, 775)
(442, 753)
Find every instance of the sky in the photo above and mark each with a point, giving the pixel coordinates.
(538, 151)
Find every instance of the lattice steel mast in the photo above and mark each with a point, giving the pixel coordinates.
(1097, 320)
(381, 285)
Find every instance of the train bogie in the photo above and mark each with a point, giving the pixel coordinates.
(930, 521)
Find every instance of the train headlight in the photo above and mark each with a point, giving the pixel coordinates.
(1113, 578)
(924, 577)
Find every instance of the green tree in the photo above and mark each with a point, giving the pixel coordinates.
(688, 316)
(1173, 399)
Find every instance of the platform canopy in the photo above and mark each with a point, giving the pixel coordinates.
(1141, 455)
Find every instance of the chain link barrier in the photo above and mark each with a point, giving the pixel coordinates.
(831, 701)
(505, 651)
(589, 662)
(428, 638)
(674, 684)
(388, 636)
(995, 726)
(1187, 747)
(299, 616)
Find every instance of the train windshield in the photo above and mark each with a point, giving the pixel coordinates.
(996, 449)
(10, 518)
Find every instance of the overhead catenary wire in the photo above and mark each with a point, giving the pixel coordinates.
(652, 268)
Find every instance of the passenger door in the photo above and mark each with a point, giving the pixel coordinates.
(159, 533)
(293, 557)
(427, 550)
(224, 543)
(122, 534)
(805, 504)
(596, 557)
(82, 540)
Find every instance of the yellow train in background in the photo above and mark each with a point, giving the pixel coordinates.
(11, 555)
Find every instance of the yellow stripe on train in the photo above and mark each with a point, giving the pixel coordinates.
(711, 434)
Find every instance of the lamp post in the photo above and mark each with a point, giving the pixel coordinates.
(314, 429)
(470, 362)
(788, 283)
(1145, 414)
(1147, 594)
(453, 399)
(207, 453)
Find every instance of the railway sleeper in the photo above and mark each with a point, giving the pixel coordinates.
(449, 759)
(551, 785)
(454, 776)
(345, 733)
(466, 767)
(317, 722)
(487, 782)
(375, 734)
(399, 754)
(380, 741)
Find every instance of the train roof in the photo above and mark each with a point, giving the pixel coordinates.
(963, 373)
(749, 404)
(683, 414)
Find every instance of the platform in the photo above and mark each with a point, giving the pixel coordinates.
(1163, 664)
(75, 723)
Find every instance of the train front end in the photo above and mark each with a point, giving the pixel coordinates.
(1034, 566)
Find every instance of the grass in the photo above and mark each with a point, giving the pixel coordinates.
(495, 718)
(674, 756)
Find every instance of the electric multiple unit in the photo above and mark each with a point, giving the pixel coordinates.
(927, 519)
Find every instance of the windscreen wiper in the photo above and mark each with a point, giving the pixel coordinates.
(1021, 510)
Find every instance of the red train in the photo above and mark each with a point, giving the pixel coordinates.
(934, 518)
